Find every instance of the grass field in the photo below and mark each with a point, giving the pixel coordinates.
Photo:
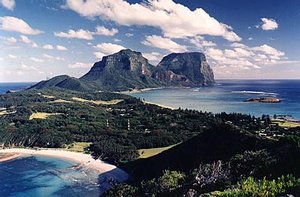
(41, 115)
(60, 101)
(149, 152)
(286, 123)
(98, 102)
(78, 146)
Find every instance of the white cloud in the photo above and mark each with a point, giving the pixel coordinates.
(153, 56)
(269, 24)
(8, 4)
(50, 57)
(269, 50)
(79, 34)
(9, 23)
(199, 42)
(10, 40)
(250, 38)
(101, 30)
(36, 60)
(174, 19)
(85, 34)
(80, 65)
(116, 40)
(48, 46)
(129, 34)
(163, 43)
(61, 48)
(107, 49)
(12, 56)
(26, 40)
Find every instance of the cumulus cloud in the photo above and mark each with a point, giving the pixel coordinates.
(163, 43)
(174, 19)
(85, 34)
(80, 65)
(104, 49)
(50, 57)
(153, 56)
(36, 60)
(9, 23)
(61, 48)
(101, 30)
(80, 34)
(241, 57)
(269, 24)
(48, 47)
(8, 4)
(26, 40)
(12, 56)
(200, 42)
(9, 40)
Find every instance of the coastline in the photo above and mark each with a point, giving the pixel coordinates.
(138, 90)
(83, 160)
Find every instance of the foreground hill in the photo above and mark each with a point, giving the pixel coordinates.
(128, 70)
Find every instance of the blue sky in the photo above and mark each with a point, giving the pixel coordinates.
(242, 39)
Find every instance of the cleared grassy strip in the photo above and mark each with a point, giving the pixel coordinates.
(78, 146)
(98, 102)
(60, 101)
(149, 152)
(286, 123)
(41, 115)
(6, 112)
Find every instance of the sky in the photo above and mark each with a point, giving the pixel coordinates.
(242, 39)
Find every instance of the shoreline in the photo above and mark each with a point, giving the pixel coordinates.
(139, 90)
(82, 159)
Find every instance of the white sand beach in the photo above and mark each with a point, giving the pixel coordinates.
(84, 160)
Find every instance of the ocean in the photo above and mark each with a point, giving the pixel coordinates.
(4, 87)
(46, 176)
(229, 96)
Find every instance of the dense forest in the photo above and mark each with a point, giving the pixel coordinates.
(217, 154)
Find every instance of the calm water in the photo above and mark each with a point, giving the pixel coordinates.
(228, 96)
(45, 176)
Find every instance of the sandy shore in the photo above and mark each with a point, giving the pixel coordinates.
(8, 156)
(163, 106)
(138, 90)
(84, 160)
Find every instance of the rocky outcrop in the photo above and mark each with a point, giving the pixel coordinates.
(264, 100)
(189, 69)
(124, 70)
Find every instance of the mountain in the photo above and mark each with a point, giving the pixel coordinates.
(187, 69)
(124, 70)
(127, 70)
(65, 82)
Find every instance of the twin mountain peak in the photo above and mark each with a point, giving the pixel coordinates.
(128, 70)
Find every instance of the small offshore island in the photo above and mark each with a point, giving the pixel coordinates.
(264, 100)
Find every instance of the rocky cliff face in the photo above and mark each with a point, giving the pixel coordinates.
(124, 70)
(128, 70)
(188, 69)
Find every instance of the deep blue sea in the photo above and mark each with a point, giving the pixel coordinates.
(4, 87)
(229, 96)
(41, 176)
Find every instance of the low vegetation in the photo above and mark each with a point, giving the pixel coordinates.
(149, 152)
